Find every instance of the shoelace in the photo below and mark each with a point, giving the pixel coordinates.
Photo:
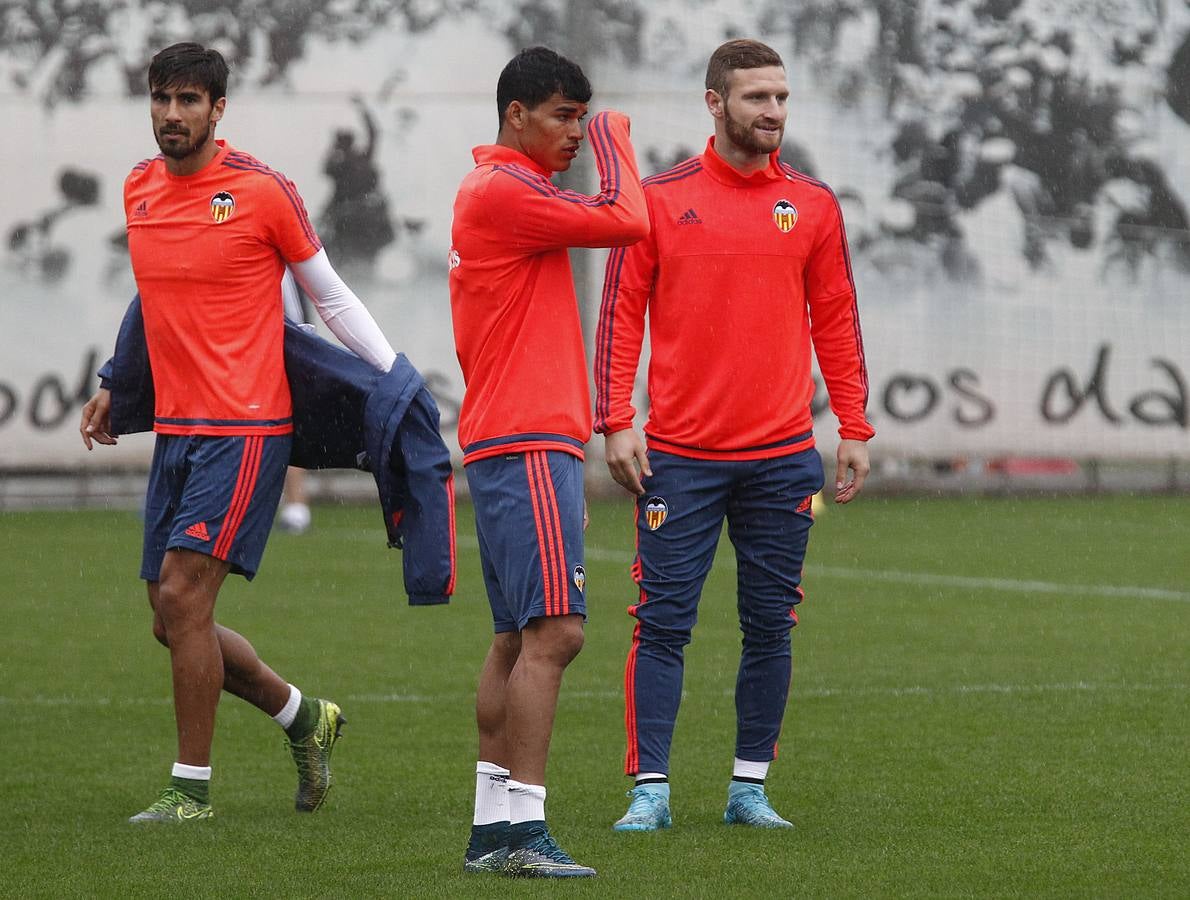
(645, 803)
(170, 798)
(545, 845)
(757, 808)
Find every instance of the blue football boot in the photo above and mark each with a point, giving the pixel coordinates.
(648, 811)
(748, 805)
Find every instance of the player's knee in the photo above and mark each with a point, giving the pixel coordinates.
(557, 639)
(573, 645)
(506, 647)
(159, 631)
(568, 640)
(770, 635)
(179, 605)
(670, 637)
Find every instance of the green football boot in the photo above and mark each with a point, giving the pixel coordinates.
(173, 806)
(312, 756)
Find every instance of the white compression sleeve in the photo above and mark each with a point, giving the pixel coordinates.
(344, 314)
(290, 301)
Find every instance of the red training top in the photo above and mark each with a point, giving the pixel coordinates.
(516, 319)
(737, 275)
(208, 252)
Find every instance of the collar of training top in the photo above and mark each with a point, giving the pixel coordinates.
(721, 170)
(498, 154)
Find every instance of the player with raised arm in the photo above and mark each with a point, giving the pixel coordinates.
(525, 417)
(745, 269)
(210, 232)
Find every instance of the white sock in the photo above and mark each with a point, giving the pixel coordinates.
(654, 777)
(746, 768)
(491, 794)
(194, 773)
(526, 802)
(289, 711)
(296, 516)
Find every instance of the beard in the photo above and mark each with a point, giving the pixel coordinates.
(746, 137)
(182, 149)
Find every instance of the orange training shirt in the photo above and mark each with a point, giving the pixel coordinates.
(516, 318)
(208, 252)
(740, 276)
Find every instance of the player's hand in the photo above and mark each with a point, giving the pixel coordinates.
(586, 514)
(853, 458)
(627, 459)
(96, 423)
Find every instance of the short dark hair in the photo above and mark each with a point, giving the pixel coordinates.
(738, 54)
(536, 74)
(189, 63)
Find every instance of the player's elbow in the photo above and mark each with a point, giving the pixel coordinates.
(639, 229)
(631, 230)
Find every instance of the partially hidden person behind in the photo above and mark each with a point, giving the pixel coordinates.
(294, 516)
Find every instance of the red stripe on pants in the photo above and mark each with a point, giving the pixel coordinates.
(632, 754)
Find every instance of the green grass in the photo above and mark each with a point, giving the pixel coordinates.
(951, 731)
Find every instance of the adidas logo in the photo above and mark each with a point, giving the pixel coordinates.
(199, 530)
(142, 210)
(689, 217)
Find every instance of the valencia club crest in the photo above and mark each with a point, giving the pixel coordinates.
(656, 512)
(223, 205)
(785, 215)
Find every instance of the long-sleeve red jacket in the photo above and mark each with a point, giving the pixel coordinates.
(740, 277)
(516, 321)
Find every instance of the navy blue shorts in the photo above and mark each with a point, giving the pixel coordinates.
(529, 517)
(215, 495)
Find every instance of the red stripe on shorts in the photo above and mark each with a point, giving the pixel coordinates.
(548, 586)
(241, 497)
(554, 523)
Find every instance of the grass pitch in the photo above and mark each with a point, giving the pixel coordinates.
(990, 699)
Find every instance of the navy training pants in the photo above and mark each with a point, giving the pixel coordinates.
(767, 504)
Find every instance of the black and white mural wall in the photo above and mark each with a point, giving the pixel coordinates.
(1014, 176)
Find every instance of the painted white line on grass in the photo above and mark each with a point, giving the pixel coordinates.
(727, 561)
(923, 691)
(796, 694)
(892, 576)
(960, 689)
(999, 584)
